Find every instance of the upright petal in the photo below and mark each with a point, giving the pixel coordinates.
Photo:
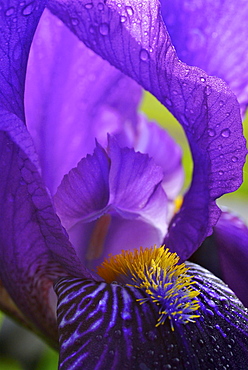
(133, 37)
(84, 192)
(212, 35)
(72, 97)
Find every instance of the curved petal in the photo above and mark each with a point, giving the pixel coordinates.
(133, 178)
(91, 101)
(134, 39)
(84, 193)
(35, 250)
(103, 326)
(231, 241)
(150, 138)
(212, 35)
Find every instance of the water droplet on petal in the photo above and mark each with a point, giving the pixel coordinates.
(221, 103)
(221, 173)
(100, 6)
(9, 12)
(88, 6)
(104, 29)
(203, 79)
(144, 55)
(211, 132)
(129, 10)
(28, 8)
(74, 21)
(168, 102)
(234, 159)
(226, 132)
(123, 19)
(208, 90)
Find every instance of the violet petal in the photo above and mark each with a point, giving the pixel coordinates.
(231, 241)
(134, 39)
(103, 326)
(84, 192)
(65, 115)
(212, 35)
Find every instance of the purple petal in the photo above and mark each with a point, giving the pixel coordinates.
(212, 35)
(65, 115)
(231, 240)
(103, 326)
(148, 137)
(35, 250)
(84, 192)
(134, 39)
(133, 178)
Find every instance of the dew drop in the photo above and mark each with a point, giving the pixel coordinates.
(234, 159)
(9, 12)
(221, 173)
(129, 10)
(28, 8)
(221, 103)
(100, 6)
(225, 132)
(203, 79)
(208, 90)
(74, 21)
(211, 132)
(123, 19)
(168, 102)
(144, 55)
(104, 29)
(151, 335)
(88, 6)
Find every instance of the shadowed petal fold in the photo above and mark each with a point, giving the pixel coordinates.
(103, 326)
(134, 39)
(231, 241)
(212, 35)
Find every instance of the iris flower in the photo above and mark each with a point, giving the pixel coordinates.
(143, 310)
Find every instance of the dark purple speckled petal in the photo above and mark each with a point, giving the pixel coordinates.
(212, 35)
(102, 326)
(133, 38)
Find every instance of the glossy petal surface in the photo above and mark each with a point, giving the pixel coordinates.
(212, 35)
(134, 39)
(103, 326)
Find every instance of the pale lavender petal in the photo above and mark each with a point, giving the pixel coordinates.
(134, 39)
(231, 241)
(72, 96)
(149, 137)
(111, 234)
(212, 35)
(133, 178)
(84, 193)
